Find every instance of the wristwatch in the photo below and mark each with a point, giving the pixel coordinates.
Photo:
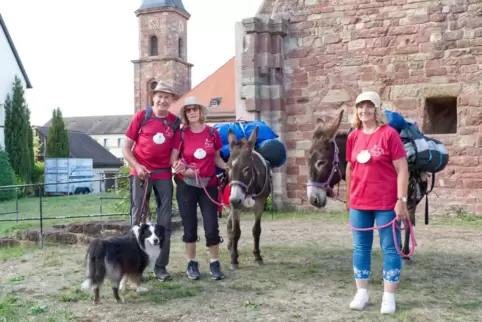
(403, 199)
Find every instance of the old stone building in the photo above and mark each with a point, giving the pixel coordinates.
(162, 49)
(300, 59)
(163, 55)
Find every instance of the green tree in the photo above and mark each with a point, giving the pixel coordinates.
(30, 139)
(17, 132)
(7, 177)
(58, 140)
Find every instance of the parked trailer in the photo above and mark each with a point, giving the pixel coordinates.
(64, 172)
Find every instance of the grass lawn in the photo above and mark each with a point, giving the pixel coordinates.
(56, 206)
(307, 276)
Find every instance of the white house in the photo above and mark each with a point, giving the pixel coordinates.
(107, 130)
(11, 66)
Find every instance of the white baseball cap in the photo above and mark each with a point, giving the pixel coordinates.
(369, 96)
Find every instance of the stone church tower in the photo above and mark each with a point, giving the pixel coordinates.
(162, 49)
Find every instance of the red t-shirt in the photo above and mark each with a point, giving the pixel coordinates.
(153, 145)
(374, 183)
(200, 149)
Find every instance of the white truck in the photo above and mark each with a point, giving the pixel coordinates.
(61, 174)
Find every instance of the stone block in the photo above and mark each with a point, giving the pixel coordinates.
(441, 90)
(336, 96)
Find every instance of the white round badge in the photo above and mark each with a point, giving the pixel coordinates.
(363, 156)
(159, 138)
(248, 202)
(200, 154)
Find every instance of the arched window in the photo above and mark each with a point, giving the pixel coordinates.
(154, 46)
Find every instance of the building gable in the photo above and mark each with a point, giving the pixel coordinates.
(3, 26)
(217, 92)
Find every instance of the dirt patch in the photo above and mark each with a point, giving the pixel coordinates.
(307, 276)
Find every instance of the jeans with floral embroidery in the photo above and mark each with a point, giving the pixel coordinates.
(363, 240)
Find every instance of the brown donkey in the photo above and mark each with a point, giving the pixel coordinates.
(249, 177)
(327, 164)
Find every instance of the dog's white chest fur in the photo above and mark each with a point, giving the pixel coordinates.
(153, 253)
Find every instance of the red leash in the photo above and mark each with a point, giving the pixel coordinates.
(393, 223)
(145, 204)
(193, 167)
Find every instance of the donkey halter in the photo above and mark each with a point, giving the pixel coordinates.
(246, 187)
(334, 169)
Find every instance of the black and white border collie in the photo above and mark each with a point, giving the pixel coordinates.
(121, 258)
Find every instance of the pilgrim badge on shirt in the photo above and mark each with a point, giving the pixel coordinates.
(159, 138)
(208, 143)
(200, 154)
(363, 156)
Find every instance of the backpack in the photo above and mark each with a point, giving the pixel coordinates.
(148, 115)
(423, 153)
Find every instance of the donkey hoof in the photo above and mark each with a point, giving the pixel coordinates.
(259, 262)
(233, 267)
(407, 260)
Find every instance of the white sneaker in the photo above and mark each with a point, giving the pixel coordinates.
(360, 300)
(388, 303)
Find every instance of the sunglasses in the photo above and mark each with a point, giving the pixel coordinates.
(191, 109)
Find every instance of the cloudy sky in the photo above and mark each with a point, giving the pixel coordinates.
(78, 53)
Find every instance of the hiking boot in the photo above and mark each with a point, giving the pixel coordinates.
(193, 270)
(216, 272)
(162, 274)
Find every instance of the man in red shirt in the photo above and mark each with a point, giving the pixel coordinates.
(147, 148)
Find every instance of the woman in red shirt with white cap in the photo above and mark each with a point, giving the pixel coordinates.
(377, 177)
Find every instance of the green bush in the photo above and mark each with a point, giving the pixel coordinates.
(7, 177)
(38, 172)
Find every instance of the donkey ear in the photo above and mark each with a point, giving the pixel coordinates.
(319, 121)
(231, 137)
(253, 137)
(331, 131)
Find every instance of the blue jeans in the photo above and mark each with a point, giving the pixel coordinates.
(363, 240)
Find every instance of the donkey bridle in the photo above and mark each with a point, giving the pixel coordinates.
(246, 187)
(334, 169)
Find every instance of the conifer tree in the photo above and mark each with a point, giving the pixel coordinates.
(16, 131)
(58, 140)
(7, 177)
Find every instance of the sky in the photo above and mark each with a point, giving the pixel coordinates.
(78, 54)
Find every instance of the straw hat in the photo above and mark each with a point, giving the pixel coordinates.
(163, 87)
(192, 100)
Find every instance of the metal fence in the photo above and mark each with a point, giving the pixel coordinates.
(39, 189)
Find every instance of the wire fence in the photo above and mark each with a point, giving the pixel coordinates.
(40, 191)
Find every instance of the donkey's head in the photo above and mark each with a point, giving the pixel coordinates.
(322, 161)
(240, 165)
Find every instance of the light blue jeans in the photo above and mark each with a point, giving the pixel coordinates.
(363, 241)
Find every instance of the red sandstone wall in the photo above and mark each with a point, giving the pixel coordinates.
(407, 50)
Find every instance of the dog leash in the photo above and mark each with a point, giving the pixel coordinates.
(145, 211)
(393, 223)
(193, 167)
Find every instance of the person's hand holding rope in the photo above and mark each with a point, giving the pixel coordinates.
(142, 172)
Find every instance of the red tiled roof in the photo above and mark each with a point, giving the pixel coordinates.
(220, 84)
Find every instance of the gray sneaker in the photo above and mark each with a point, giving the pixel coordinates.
(162, 274)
